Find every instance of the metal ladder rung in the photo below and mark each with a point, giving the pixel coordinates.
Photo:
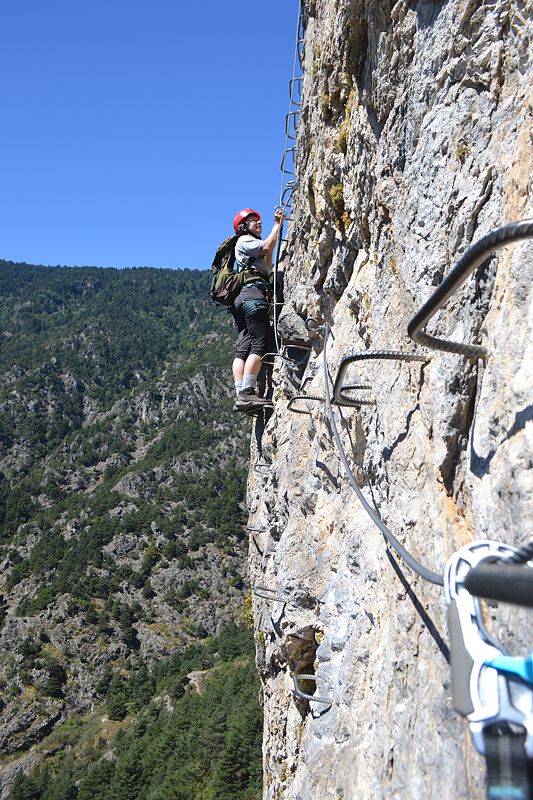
(269, 594)
(339, 389)
(307, 398)
(303, 695)
(474, 257)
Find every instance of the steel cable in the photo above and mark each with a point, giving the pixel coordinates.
(420, 569)
(522, 555)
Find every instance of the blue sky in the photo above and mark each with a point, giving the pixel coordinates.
(133, 130)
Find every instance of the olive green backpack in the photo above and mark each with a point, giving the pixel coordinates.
(227, 283)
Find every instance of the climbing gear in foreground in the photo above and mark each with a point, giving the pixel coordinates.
(241, 216)
(493, 690)
(503, 581)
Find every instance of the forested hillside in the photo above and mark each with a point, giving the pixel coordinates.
(122, 529)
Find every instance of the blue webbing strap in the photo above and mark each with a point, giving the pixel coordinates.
(509, 771)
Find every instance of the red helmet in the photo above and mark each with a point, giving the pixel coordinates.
(242, 215)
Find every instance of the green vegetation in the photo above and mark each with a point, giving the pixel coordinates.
(122, 489)
(341, 144)
(336, 194)
(75, 335)
(99, 357)
(211, 511)
(177, 745)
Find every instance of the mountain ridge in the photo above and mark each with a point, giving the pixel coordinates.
(122, 480)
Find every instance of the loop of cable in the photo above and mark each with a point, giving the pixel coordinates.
(425, 573)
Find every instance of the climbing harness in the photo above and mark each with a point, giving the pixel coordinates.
(474, 256)
(493, 690)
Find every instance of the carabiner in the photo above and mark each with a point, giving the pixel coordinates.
(488, 686)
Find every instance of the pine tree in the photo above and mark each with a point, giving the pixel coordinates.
(117, 698)
(128, 780)
(64, 788)
(24, 788)
(57, 677)
(95, 784)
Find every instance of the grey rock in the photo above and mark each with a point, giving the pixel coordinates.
(434, 103)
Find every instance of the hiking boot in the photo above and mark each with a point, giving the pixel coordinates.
(249, 399)
(251, 411)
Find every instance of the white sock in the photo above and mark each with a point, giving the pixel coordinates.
(248, 381)
(238, 386)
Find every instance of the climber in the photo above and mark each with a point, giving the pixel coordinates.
(250, 309)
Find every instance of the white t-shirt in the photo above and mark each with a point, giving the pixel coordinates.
(247, 254)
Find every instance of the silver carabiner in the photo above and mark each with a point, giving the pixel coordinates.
(488, 686)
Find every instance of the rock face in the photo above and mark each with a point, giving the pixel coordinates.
(414, 140)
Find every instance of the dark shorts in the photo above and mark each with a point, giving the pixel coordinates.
(255, 331)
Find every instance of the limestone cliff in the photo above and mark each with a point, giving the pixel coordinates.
(414, 140)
